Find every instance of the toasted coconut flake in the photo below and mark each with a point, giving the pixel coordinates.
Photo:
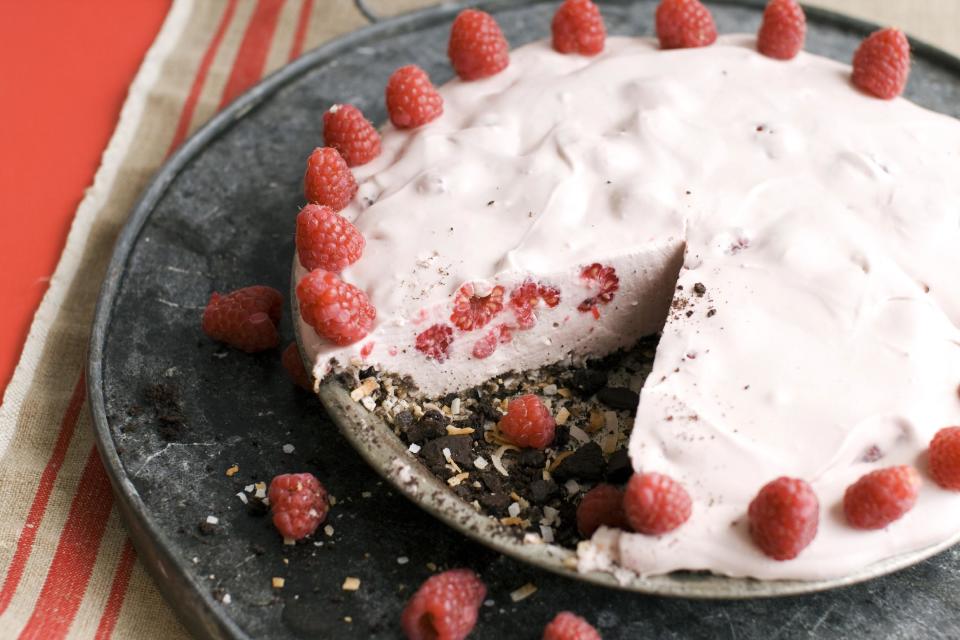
(289, 542)
(532, 538)
(579, 434)
(572, 486)
(328, 530)
(414, 448)
(547, 533)
(449, 458)
(514, 509)
(367, 386)
(596, 421)
(609, 443)
(261, 490)
(277, 583)
(497, 458)
(563, 392)
(523, 592)
(562, 416)
(453, 481)
(458, 431)
(512, 521)
(611, 421)
(350, 584)
(560, 457)
(232, 471)
(481, 463)
(243, 497)
(213, 520)
(455, 407)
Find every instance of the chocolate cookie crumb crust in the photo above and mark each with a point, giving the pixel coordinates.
(532, 493)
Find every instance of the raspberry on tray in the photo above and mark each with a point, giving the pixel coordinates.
(569, 626)
(299, 504)
(445, 607)
(246, 319)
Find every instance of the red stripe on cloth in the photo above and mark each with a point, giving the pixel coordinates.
(252, 55)
(121, 579)
(76, 553)
(186, 113)
(42, 496)
(301, 33)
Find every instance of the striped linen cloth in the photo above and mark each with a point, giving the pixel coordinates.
(67, 568)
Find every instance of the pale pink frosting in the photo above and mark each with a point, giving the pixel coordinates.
(823, 223)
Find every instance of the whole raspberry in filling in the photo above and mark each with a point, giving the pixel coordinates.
(578, 28)
(337, 310)
(945, 458)
(473, 311)
(682, 24)
(881, 497)
(298, 503)
(477, 47)
(412, 100)
(605, 281)
(435, 342)
(601, 506)
(783, 30)
(881, 64)
(445, 607)
(784, 517)
(326, 240)
(525, 299)
(655, 503)
(353, 136)
(568, 626)
(328, 180)
(293, 363)
(528, 423)
(246, 319)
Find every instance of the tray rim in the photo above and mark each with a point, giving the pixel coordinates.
(192, 604)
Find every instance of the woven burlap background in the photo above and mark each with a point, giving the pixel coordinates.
(66, 566)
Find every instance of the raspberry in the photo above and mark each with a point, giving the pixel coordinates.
(881, 63)
(293, 363)
(472, 311)
(568, 626)
(328, 180)
(445, 607)
(682, 24)
(525, 299)
(346, 130)
(412, 99)
(880, 497)
(605, 280)
(336, 310)
(783, 30)
(783, 517)
(435, 342)
(246, 319)
(602, 505)
(477, 47)
(945, 458)
(528, 423)
(578, 28)
(299, 504)
(326, 240)
(485, 346)
(655, 504)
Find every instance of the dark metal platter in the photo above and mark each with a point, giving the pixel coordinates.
(173, 410)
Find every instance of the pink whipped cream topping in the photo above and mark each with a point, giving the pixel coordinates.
(822, 224)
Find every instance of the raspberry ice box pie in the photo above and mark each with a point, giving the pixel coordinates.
(645, 305)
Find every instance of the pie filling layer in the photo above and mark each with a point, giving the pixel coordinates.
(797, 242)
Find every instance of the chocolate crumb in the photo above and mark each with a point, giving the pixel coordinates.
(543, 490)
(207, 528)
(619, 468)
(620, 398)
(431, 424)
(586, 463)
(699, 289)
(532, 458)
(711, 313)
(587, 382)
